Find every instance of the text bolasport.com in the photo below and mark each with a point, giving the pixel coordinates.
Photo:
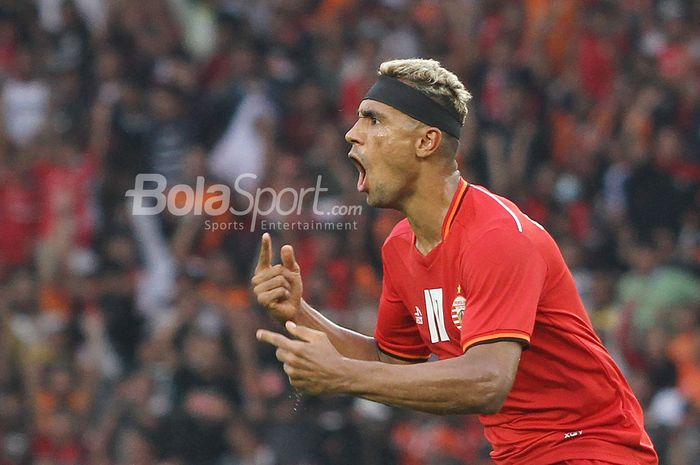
(151, 195)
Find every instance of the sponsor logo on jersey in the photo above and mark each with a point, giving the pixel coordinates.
(419, 316)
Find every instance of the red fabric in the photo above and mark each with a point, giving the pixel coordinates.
(583, 462)
(339, 275)
(494, 96)
(683, 171)
(674, 60)
(7, 57)
(420, 443)
(73, 184)
(18, 218)
(64, 453)
(569, 399)
(352, 92)
(580, 213)
(490, 32)
(596, 65)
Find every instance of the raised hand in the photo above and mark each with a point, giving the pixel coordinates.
(278, 288)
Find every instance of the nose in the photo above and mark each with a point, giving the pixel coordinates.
(352, 135)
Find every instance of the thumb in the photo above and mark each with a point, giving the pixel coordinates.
(288, 259)
(302, 332)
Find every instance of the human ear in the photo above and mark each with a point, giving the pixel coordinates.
(428, 142)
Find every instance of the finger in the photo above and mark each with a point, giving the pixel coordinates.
(281, 355)
(270, 284)
(285, 356)
(270, 297)
(265, 258)
(288, 259)
(295, 374)
(268, 273)
(290, 371)
(302, 332)
(275, 339)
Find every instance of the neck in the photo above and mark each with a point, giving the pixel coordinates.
(427, 208)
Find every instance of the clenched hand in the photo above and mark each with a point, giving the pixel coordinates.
(311, 362)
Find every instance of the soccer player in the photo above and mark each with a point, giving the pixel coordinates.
(468, 278)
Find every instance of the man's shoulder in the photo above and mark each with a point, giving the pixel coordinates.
(487, 211)
(481, 212)
(400, 235)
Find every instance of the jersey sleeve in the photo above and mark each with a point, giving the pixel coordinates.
(396, 333)
(504, 275)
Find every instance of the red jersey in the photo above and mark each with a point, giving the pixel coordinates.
(499, 276)
(18, 213)
(69, 187)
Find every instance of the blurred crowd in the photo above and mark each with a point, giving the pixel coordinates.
(128, 339)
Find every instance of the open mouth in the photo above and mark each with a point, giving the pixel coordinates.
(362, 176)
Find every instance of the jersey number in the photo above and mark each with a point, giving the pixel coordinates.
(434, 312)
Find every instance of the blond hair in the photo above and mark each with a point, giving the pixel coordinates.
(433, 80)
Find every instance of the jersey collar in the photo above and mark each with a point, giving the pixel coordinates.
(428, 259)
(454, 207)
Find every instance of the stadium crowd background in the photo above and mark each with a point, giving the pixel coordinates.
(127, 340)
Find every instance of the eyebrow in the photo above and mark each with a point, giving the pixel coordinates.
(363, 113)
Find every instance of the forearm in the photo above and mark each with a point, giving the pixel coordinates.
(350, 344)
(455, 386)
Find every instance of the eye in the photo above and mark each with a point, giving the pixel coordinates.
(371, 117)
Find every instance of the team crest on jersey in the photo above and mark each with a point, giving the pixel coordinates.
(459, 305)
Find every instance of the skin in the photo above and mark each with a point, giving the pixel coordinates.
(409, 167)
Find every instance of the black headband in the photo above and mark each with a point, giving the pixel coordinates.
(415, 104)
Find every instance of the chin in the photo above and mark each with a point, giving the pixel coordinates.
(373, 202)
(378, 201)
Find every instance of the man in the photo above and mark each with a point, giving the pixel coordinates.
(469, 278)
